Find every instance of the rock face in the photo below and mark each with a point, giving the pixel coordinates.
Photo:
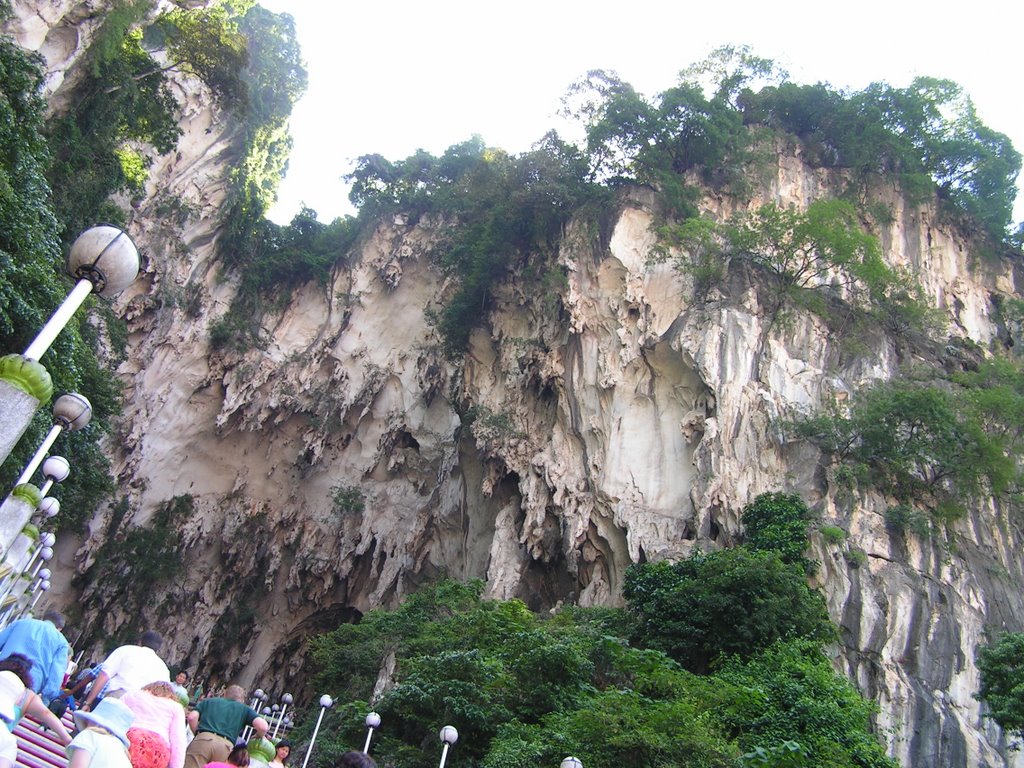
(347, 460)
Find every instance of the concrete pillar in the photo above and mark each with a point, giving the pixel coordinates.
(15, 512)
(24, 387)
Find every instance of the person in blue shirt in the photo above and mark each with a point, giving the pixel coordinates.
(42, 642)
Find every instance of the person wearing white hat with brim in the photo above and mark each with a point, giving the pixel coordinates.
(11, 692)
(103, 738)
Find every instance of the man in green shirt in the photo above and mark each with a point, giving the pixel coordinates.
(217, 723)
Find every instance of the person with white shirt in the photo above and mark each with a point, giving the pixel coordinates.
(129, 668)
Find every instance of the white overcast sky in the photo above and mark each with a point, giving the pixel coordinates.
(393, 76)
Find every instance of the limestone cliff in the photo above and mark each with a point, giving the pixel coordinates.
(625, 420)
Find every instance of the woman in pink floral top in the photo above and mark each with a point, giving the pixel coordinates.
(158, 734)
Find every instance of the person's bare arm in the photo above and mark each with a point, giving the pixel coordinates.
(80, 686)
(192, 718)
(42, 713)
(80, 758)
(97, 685)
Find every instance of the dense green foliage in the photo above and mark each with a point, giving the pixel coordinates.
(1001, 664)
(208, 43)
(284, 257)
(526, 690)
(799, 698)
(686, 130)
(823, 246)
(731, 602)
(504, 211)
(500, 214)
(928, 134)
(271, 259)
(938, 444)
(777, 522)
(119, 106)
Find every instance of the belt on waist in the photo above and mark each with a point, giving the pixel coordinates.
(219, 736)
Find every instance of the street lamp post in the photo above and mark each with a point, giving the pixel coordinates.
(257, 696)
(17, 509)
(71, 412)
(372, 721)
(44, 554)
(326, 702)
(56, 469)
(448, 736)
(571, 762)
(285, 701)
(43, 585)
(105, 261)
(48, 508)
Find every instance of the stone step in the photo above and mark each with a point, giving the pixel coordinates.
(39, 747)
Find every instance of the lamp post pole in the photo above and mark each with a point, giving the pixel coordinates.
(41, 586)
(19, 506)
(105, 261)
(325, 703)
(448, 736)
(285, 701)
(56, 470)
(71, 412)
(258, 696)
(48, 508)
(372, 721)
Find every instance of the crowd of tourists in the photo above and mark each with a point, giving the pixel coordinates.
(126, 710)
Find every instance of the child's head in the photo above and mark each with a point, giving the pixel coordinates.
(239, 756)
(20, 665)
(111, 715)
(355, 760)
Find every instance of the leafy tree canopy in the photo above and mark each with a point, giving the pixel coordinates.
(823, 246)
(777, 522)
(505, 211)
(730, 602)
(101, 146)
(527, 690)
(795, 696)
(1001, 664)
(939, 444)
(928, 134)
(207, 43)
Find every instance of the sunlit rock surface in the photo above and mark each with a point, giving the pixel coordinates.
(615, 419)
